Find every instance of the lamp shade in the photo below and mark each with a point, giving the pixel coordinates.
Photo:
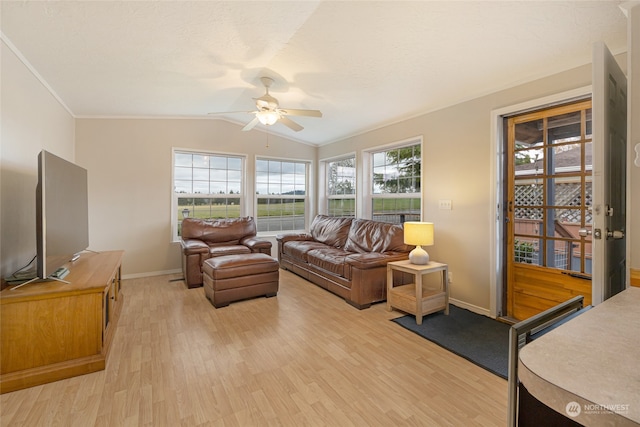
(418, 233)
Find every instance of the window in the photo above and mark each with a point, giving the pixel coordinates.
(206, 185)
(341, 187)
(395, 185)
(281, 189)
(551, 188)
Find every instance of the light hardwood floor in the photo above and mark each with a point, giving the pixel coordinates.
(303, 358)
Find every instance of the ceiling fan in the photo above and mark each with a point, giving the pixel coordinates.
(268, 111)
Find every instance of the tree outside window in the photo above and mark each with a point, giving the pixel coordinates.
(341, 188)
(396, 184)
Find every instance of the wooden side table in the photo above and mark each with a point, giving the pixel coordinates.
(413, 298)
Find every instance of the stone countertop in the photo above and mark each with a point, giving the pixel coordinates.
(589, 368)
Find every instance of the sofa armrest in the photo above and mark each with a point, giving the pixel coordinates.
(256, 244)
(283, 238)
(368, 260)
(194, 246)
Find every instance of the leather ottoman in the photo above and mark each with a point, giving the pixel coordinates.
(229, 278)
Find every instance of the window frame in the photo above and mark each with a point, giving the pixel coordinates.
(308, 204)
(175, 196)
(323, 184)
(368, 195)
(546, 247)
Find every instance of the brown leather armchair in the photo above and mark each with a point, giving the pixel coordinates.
(204, 239)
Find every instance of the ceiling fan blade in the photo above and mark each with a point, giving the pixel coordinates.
(251, 124)
(298, 112)
(290, 123)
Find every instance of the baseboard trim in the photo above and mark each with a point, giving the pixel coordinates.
(39, 375)
(470, 307)
(150, 274)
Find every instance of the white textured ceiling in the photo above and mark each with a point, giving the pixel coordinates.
(363, 64)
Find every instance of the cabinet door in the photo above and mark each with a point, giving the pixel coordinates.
(41, 332)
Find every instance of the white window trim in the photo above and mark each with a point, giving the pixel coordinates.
(323, 188)
(245, 201)
(309, 193)
(364, 203)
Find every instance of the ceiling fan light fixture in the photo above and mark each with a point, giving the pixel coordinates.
(267, 118)
(269, 113)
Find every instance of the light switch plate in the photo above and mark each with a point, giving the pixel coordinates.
(444, 204)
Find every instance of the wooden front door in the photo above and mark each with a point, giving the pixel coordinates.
(549, 200)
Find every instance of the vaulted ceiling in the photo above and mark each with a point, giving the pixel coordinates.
(363, 64)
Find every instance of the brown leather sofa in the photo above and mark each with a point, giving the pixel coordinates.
(346, 256)
(204, 239)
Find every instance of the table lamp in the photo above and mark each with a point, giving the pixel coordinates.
(418, 234)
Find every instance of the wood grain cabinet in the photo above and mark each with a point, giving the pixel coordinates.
(53, 330)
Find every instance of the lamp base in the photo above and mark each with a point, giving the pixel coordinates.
(419, 256)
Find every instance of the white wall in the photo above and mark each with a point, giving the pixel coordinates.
(32, 120)
(129, 167)
(457, 152)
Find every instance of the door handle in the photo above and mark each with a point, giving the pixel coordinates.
(615, 234)
(584, 232)
(597, 234)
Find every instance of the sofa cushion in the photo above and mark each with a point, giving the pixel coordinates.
(330, 230)
(298, 249)
(229, 267)
(216, 251)
(227, 230)
(369, 260)
(373, 236)
(329, 259)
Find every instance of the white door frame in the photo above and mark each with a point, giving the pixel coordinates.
(496, 177)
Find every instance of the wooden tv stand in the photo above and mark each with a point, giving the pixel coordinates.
(51, 330)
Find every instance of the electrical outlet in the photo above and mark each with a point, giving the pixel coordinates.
(450, 277)
(444, 204)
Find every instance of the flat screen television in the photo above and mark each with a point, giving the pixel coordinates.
(62, 213)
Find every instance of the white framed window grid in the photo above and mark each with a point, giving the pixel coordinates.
(340, 191)
(394, 174)
(206, 185)
(282, 196)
